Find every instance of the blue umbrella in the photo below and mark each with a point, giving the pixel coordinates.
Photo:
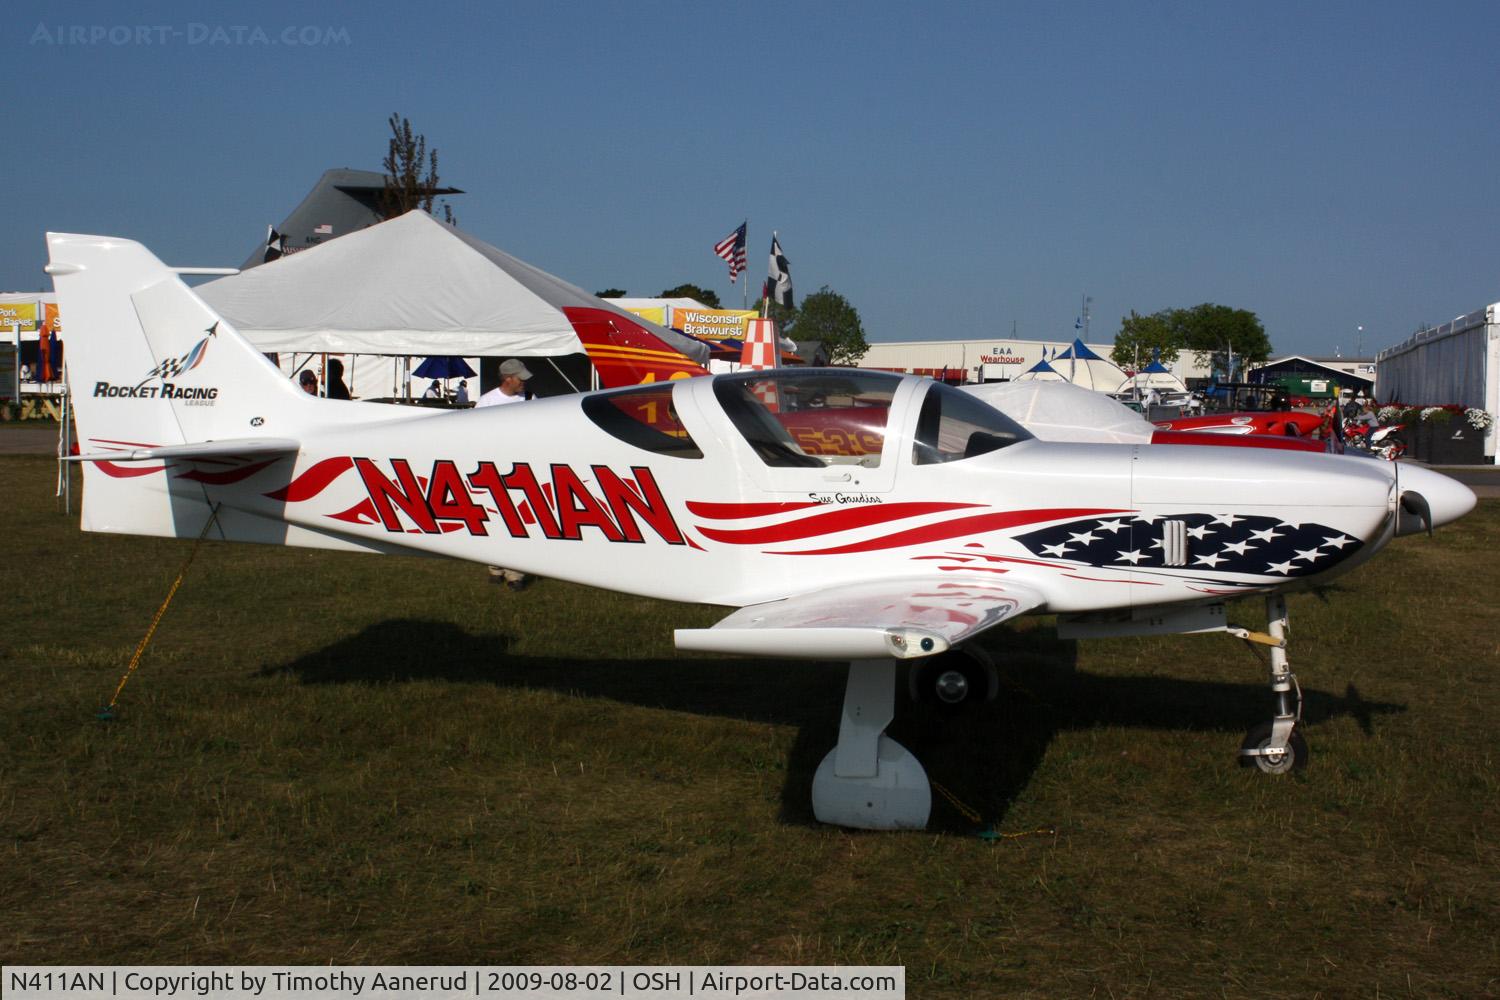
(444, 366)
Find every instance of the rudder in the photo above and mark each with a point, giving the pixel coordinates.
(148, 362)
(150, 365)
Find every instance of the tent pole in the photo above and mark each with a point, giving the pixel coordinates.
(553, 363)
(745, 288)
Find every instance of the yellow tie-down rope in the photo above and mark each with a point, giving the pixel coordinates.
(108, 712)
(988, 833)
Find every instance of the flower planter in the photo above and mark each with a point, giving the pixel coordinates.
(1454, 442)
(1418, 439)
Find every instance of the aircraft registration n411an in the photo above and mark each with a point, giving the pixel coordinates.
(847, 514)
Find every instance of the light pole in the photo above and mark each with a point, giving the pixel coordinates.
(1359, 341)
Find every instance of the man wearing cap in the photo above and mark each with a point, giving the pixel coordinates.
(512, 387)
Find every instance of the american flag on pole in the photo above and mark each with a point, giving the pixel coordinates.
(732, 249)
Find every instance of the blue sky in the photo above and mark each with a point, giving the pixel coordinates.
(956, 170)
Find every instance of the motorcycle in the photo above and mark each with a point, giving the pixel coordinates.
(1380, 441)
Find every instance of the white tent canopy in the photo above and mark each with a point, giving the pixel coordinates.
(411, 286)
(1042, 371)
(1082, 366)
(1153, 376)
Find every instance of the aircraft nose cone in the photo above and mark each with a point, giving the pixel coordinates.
(1448, 499)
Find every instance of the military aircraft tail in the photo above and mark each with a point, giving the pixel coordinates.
(343, 201)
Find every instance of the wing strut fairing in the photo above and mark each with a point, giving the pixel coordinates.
(900, 618)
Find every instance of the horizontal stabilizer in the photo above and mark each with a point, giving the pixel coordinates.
(898, 619)
(226, 448)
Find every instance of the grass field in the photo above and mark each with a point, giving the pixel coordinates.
(359, 760)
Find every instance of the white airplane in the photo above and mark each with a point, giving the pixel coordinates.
(846, 514)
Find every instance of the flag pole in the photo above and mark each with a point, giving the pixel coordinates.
(765, 288)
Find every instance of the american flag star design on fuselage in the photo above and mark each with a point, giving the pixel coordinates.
(1218, 543)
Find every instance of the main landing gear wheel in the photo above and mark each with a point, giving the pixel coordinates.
(954, 680)
(869, 781)
(1260, 755)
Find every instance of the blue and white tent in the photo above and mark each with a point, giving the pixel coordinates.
(1042, 371)
(1081, 366)
(1154, 376)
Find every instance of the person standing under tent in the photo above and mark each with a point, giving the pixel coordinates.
(334, 383)
(512, 389)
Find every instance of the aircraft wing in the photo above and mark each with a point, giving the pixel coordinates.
(899, 618)
(198, 449)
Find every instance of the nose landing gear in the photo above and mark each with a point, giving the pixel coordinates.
(1276, 747)
(1259, 750)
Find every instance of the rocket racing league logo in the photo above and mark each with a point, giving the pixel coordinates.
(161, 381)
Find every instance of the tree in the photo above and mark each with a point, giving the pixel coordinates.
(1212, 332)
(828, 318)
(708, 298)
(406, 188)
(1228, 340)
(1143, 337)
(611, 293)
(785, 317)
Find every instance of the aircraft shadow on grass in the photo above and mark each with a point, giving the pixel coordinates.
(985, 755)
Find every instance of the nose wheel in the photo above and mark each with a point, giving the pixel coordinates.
(1261, 752)
(1277, 747)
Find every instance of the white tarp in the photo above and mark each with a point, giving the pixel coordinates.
(1061, 411)
(410, 286)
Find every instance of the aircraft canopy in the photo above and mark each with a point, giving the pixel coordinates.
(1061, 411)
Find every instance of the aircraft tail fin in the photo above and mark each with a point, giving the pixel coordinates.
(148, 362)
(625, 353)
(152, 369)
(343, 201)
